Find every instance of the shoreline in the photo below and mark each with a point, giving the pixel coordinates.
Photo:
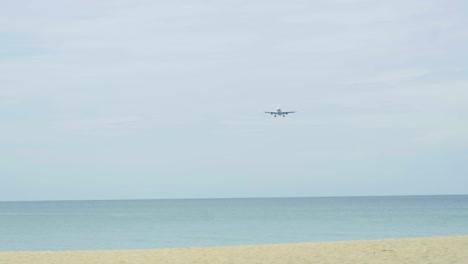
(440, 249)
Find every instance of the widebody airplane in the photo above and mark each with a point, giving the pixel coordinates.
(281, 113)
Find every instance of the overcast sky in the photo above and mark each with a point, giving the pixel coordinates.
(164, 99)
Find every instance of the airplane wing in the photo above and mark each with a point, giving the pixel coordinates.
(271, 112)
(289, 112)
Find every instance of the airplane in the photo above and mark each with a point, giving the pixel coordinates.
(279, 112)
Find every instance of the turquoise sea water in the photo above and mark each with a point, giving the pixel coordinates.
(132, 224)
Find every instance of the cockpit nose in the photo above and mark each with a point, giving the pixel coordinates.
(278, 109)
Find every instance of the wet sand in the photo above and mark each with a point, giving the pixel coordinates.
(434, 250)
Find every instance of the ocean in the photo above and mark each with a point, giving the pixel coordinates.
(144, 224)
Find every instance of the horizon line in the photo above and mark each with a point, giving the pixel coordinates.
(232, 198)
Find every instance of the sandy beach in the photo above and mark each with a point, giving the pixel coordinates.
(432, 250)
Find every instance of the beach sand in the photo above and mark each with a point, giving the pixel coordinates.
(443, 250)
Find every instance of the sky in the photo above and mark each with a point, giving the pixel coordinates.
(143, 99)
